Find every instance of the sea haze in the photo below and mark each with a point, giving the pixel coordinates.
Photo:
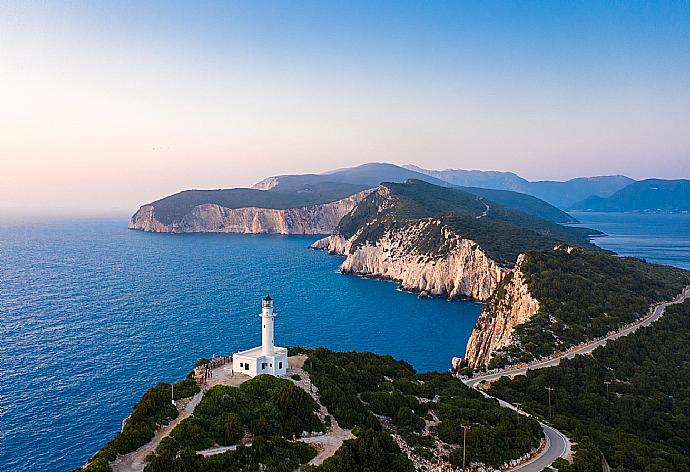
(93, 314)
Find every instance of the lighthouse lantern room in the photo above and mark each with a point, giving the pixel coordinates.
(267, 358)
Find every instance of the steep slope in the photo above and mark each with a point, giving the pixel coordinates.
(561, 194)
(646, 195)
(440, 240)
(206, 211)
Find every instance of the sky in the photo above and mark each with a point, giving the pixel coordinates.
(105, 106)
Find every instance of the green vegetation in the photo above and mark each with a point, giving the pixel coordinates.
(373, 451)
(643, 422)
(264, 407)
(155, 408)
(174, 207)
(585, 294)
(523, 202)
(185, 388)
(501, 232)
(355, 387)
(276, 454)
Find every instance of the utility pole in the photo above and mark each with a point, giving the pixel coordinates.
(518, 405)
(550, 390)
(464, 435)
(607, 388)
(172, 393)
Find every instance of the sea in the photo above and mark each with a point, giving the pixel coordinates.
(93, 314)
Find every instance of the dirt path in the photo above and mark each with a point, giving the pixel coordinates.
(325, 444)
(136, 461)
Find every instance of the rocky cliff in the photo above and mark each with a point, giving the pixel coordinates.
(455, 267)
(213, 218)
(512, 304)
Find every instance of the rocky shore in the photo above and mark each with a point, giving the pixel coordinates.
(463, 270)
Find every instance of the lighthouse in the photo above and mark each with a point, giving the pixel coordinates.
(267, 358)
(267, 316)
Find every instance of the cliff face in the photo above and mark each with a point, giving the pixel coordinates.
(511, 305)
(460, 269)
(213, 218)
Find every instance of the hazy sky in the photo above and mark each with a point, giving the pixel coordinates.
(104, 106)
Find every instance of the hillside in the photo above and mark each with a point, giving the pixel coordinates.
(523, 202)
(315, 209)
(652, 195)
(555, 299)
(560, 194)
(627, 402)
(298, 204)
(440, 241)
(502, 232)
(366, 175)
(372, 174)
(175, 207)
(397, 420)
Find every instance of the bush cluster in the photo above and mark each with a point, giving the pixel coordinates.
(643, 423)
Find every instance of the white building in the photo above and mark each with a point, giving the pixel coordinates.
(267, 358)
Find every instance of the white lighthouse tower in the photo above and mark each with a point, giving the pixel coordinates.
(267, 316)
(267, 358)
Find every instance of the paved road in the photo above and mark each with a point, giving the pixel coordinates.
(558, 444)
(585, 349)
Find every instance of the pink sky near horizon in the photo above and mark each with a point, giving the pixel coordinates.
(98, 118)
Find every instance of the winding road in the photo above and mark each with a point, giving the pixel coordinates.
(557, 444)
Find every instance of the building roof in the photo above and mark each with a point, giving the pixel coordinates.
(268, 298)
(256, 352)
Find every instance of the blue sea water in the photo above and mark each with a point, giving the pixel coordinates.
(92, 314)
(662, 238)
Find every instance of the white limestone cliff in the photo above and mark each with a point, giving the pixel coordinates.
(511, 305)
(461, 270)
(213, 218)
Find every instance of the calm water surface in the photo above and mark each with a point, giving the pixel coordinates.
(93, 314)
(659, 238)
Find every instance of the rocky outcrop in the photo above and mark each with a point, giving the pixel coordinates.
(266, 184)
(213, 218)
(455, 267)
(511, 305)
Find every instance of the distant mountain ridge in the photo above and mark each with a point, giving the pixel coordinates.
(372, 174)
(651, 195)
(560, 194)
(369, 175)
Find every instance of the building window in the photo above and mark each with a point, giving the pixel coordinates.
(246, 366)
(241, 364)
(280, 365)
(263, 365)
